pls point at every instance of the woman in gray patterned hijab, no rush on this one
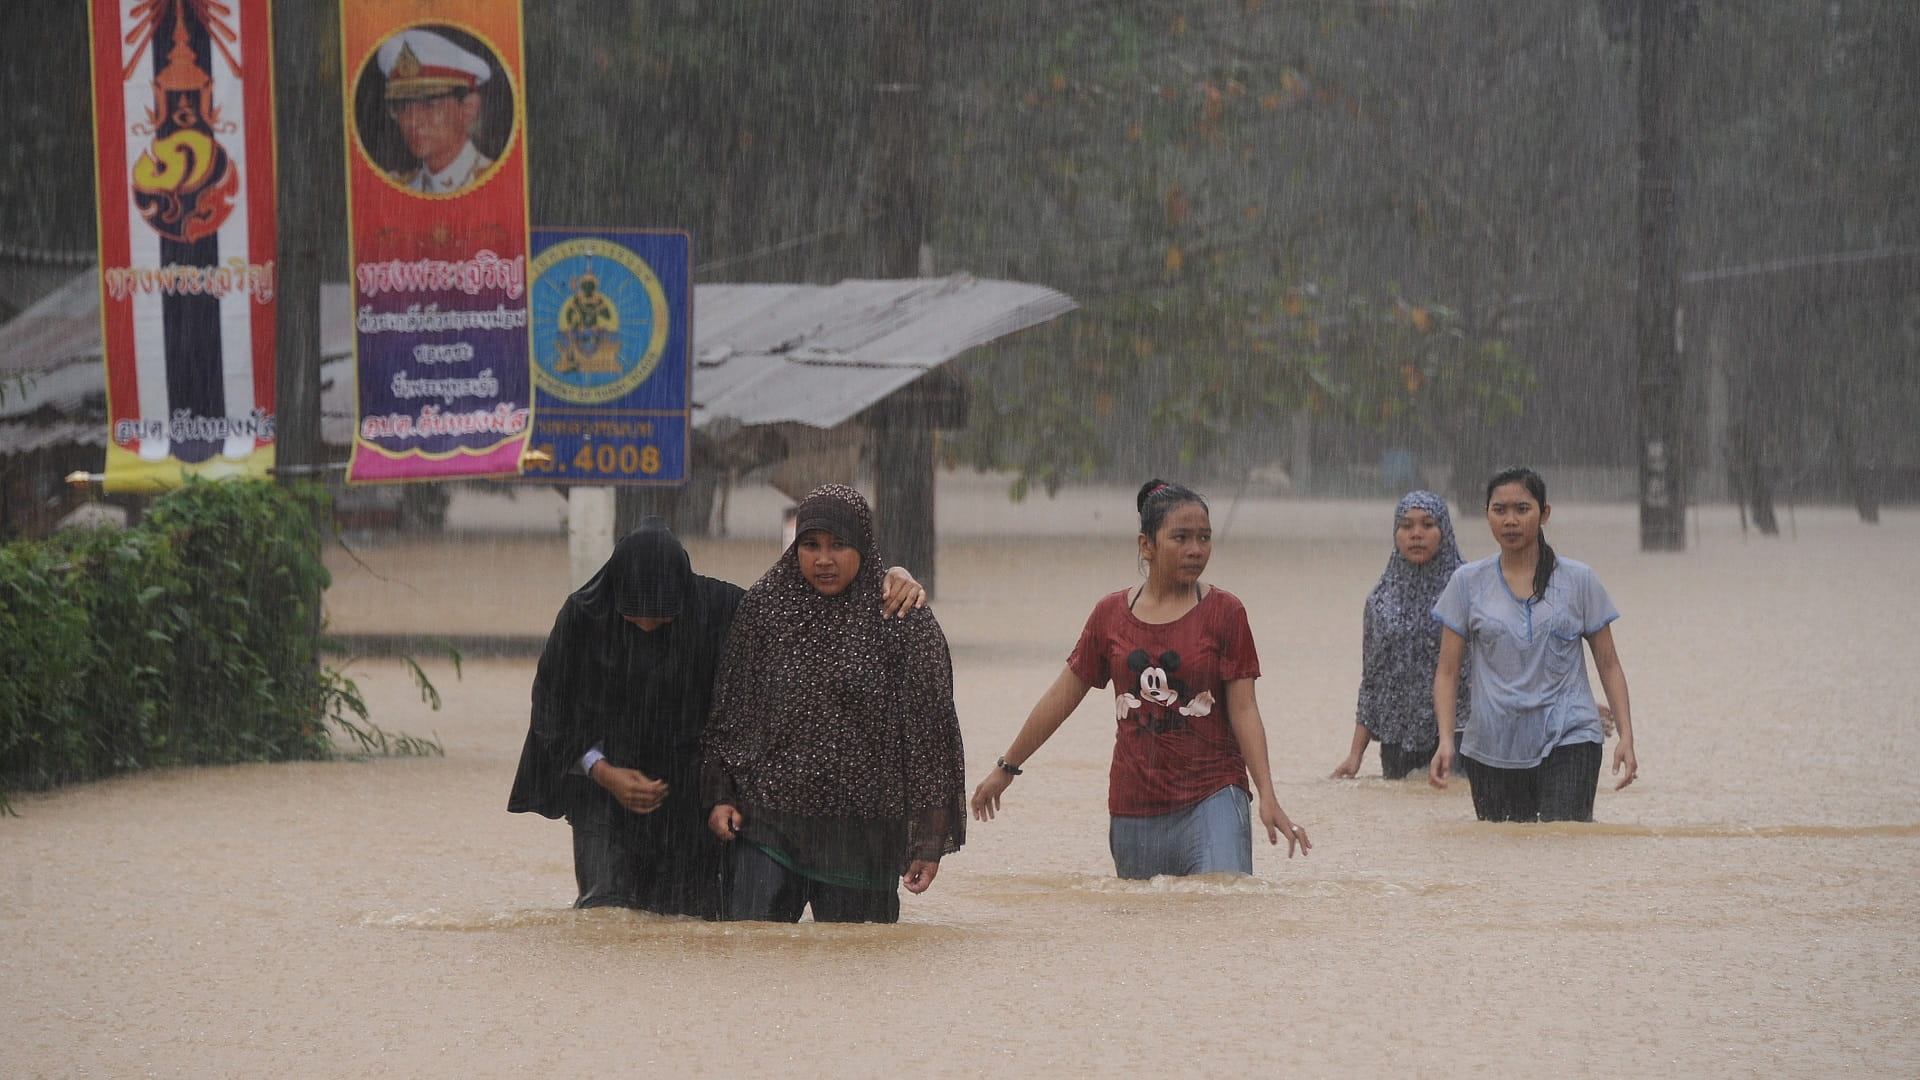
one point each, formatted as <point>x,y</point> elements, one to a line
<point>833,758</point>
<point>1400,643</point>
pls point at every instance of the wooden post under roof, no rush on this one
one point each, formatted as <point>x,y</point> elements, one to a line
<point>903,440</point>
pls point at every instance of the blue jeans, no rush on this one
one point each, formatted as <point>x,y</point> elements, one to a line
<point>1213,836</point>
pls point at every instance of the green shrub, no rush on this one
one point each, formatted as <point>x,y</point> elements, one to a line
<point>190,639</point>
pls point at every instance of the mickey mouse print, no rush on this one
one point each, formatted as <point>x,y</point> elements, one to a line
<point>1165,701</point>
<point>1174,743</point>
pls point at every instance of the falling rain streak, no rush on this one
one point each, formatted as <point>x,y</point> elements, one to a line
<point>1323,253</point>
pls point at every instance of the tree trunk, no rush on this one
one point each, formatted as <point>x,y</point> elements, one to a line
<point>1663,501</point>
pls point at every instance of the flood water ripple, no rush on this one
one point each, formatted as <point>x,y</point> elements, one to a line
<point>1749,907</point>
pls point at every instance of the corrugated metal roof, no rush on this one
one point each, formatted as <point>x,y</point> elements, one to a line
<point>50,353</point>
<point>26,438</point>
<point>763,354</point>
<point>23,283</point>
<point>59,328</point>
<point>819,354</point>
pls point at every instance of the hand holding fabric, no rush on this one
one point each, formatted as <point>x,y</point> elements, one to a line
<point>919,875</point>
<point>725,821</point>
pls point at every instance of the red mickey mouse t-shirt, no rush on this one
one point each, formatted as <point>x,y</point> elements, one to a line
<point>1174,745</point>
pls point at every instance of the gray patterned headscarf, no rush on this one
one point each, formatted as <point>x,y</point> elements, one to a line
<point>1401,638</point>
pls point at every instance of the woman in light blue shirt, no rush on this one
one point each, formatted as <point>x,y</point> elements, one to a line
<point>1533,750</point>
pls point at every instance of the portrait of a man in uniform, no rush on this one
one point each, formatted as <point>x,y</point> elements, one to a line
<point>432,93</point>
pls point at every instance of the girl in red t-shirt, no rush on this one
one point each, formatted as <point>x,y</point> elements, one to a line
<point>1182,662</point>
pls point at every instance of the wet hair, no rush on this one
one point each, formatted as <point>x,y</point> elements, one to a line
<point>1157,497</point>
<point>1536,487</point>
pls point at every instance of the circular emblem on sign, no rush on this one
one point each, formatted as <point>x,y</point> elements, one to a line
<point>600,321</point>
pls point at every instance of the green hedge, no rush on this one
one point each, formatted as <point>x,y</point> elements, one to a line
<point>189,639</point>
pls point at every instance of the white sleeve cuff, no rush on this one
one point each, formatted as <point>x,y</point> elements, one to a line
<point>587,760</point>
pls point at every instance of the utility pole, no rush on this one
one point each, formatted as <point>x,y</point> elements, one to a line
<point>902,432</point>
<point>1663,475</point>
<point>300,27</point>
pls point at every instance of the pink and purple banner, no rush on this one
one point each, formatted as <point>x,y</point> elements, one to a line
<point>437,210</point>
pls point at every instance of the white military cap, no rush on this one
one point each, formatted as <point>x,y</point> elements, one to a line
<point>420,63</point>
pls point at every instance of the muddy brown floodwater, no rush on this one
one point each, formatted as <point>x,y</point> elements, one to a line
<point>1748,908</point>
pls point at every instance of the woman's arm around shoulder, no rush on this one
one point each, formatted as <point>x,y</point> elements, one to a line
<point>900,592</point>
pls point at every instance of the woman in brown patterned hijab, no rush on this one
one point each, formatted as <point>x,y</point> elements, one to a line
<point>833,759</point>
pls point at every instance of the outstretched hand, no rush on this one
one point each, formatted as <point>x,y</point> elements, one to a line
<point>1279,824</point>
<point>986,797</point>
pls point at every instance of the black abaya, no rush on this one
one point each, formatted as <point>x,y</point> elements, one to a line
<point>642,698</point>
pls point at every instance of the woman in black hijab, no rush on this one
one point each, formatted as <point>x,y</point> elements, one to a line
<point>834,765</point>
<point>619,701</point>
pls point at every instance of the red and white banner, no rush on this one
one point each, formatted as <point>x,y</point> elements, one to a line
<point>184,175</point>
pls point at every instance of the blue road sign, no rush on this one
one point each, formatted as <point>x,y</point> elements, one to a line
<point>612,313</point>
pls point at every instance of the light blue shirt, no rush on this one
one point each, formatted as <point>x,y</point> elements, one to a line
<point>1529,677</point>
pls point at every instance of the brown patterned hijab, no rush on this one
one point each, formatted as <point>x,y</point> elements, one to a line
<point>823,709</point>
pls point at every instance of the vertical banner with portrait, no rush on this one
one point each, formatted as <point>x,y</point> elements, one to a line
<point>612,328</point>
<point>184,156</point>
<point>437,209</point>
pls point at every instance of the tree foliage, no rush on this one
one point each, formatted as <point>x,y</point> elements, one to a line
<point>1350,209</point>
<point>1806,205</point>
<point>1393,216</point>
